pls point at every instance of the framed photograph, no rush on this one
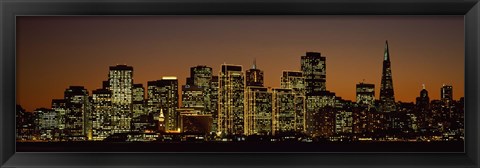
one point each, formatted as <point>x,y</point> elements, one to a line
<point>213,84</point>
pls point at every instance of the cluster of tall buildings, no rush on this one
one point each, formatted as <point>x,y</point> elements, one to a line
<point>235,103</point>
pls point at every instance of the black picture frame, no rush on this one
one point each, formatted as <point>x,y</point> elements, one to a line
<point>9,9</point>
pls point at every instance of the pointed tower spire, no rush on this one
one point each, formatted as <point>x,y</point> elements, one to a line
<point>387,96</point>
<point>423,86</point>
<point>254,66</point>
<point>386,53</point>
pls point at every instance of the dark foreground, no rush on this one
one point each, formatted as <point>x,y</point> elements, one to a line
<point>457,146</point>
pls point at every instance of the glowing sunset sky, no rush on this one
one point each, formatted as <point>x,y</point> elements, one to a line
<point>56,52</point>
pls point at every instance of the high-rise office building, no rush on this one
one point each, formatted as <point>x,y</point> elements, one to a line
<point>230,100</point>
<point>296,81</point>
<point>258,111</point>
<point>423,101</point>
<point>59,106</point>
<point>313,66</point>
<point>78,113</point>
<point>153,97</point>
<point>103,115</point>
<point>214,85</point>
<point>201,78</point>
<point>46,123</point>
<point>319,114</point>
<point>254,76</point>
<point>365,95</point>
<point>387,98</point>
<point>283,111</point>
<point>193,97</point>
<point>446,94</point>
<point>120,80</point>
<point>168,87</point>
<point>293,80</point>
<point>200,75</point>
<point>138,102</point>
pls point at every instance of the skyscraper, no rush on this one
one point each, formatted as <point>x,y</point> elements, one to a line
<point>446,93</point>
<point>387,98</point>
<point>200,82</point>
<point>258,111</point>
<point>77,115</point>
<point>254,76</point>
<point>169,101</point>
<point>138,102</point>
<point>313,66</point>
<point>102,116</point>
<point>214,85</point>
<point>193,97</point>
<point>200,76</point>
<point>423,101</point>
<point>365,95</point>
<point>283,111</point>
<point>230,100</point>
<point>120,80</point>
<point>295,81</point>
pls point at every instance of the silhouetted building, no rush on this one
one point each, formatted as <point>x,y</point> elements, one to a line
<point>387,98</point>
<point>258,111</point>
<point>120,79</point>
<point>254,76</point>
<point>423,101</point>
<point>366,95</point>
<point>313,66</point>
<point>230,100</point>
<point>192,122</point>
<point>25,124</point>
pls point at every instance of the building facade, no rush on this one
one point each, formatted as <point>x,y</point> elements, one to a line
<point>230,100</point>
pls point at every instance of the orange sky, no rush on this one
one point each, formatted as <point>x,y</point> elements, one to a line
<point>56,52</point>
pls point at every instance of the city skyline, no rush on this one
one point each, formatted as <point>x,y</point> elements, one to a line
<point>45,89</point>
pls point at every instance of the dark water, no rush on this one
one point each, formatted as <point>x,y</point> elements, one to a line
<point>457,146</point>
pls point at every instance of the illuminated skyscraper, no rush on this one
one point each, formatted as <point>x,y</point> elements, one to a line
<point>77,115</point>
<point>296,81</point>
<point>230,100</point>
<point>313,66</point>
<point>59,106</point>
<point>387,98</point>
<point>153,97</point>
<point>254,76</point>
<point>169,101</point>
<point>214,101</point>
<point>120,80</point>
<point>102,116</point>
<point>365,94</point>
<point>258,111</point>
<point>138,103</point>
<point>200,76</point>
<point>446,94</point>
<point>46,123</point>
<point>193,97</point>
<point>319,114</point>
<point>283,111</point>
